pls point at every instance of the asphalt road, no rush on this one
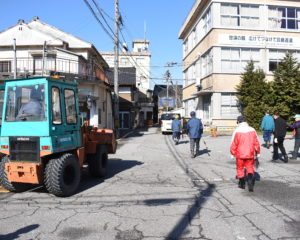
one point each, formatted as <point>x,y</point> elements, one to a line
<point>154,190</point>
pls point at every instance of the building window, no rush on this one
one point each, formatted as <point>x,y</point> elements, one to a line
<point>140,61</point>
<point>276,56</point>
<point>206,106</point>
<point>284,18</point>
<point>5,66</point>
<point>194,38</point>
<point>149,115</point>
<point>186,83</point>
<point>124,90</point>
<point>190,75</point>
<point>197,70</point>
<point>239,15</point>
<point>229,105</point>
<point>37,64</point>
<point>185,48</point>
<point>70,106</point>
<point>234,60</point>
<point>124,61</point>
<point>198,32</point>
<point>110,61</point>
<point>207,21</point>
<point>50,63</point>
<point>99,115</point>
<point>207,64</point>
<point>56,112</point>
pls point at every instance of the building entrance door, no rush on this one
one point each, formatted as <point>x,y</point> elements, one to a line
<point>124,120</point>
<point>206,107</point>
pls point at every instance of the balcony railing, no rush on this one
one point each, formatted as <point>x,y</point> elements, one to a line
<point>34,67</point>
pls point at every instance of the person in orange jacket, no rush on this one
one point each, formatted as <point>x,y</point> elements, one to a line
<point>245,147</point>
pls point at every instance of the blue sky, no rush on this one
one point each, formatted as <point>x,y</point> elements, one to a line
<point>163,20</point>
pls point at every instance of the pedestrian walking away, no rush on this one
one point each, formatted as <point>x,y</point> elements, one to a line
<point>176,129</point>
<point>267,126</point>
<point>245,147</point>
<point>279,135</point>
<point>194,128</point>
<point>296,127</point>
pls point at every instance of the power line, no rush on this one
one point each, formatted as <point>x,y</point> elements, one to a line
<point>111,18</point>
<point>98,20</point>
<point>157,78</point>
<point>101,14</point>
<point>112,36</point>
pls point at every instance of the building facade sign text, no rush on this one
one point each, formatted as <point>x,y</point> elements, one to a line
<point>259,40</point>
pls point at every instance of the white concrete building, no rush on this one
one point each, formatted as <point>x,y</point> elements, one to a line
<point>220,37</point>
<point>43,50</point>
<point>139,58</point>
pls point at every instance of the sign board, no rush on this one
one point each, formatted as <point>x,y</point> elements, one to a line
<point>167,102</point>
<point>259,40</point>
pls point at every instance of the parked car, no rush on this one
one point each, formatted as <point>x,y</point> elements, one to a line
<point>166,122</point>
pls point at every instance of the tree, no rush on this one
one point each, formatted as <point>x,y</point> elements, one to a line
<point>253,93</point>
<point>286,87</point>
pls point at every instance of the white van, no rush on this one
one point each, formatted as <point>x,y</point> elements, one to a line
<point>166,122</point>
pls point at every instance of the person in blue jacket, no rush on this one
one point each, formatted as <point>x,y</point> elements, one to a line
<point>268,126</point>
<point>176,128</point>
<point>194,129</point>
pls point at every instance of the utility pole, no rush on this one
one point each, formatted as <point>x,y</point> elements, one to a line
<point>176,95</point>
<point>116,65</point>
<point>43,60</point>
<point>15,59</point>
<point>167,75</point>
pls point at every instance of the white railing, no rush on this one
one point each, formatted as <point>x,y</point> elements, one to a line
<point>34,66</point>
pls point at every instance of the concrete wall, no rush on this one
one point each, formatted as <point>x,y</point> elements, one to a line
<point>187,91</point>
<point>141,61</point>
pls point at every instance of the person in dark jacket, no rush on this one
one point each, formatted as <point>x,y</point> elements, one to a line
<point>296,128</point>
<point>176,129</point>
<point>279,135</point>
<point>194,129</point>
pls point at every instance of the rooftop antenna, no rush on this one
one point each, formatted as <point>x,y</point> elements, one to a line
<point>145,30</point>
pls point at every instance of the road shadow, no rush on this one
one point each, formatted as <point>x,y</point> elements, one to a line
<point>138,132</point>
<point>115,166</point>
<point>256,176</point>
<point>16,234</point>
<point>183,142</point>
<point>291,152</point>
<point>158,202</point>
<point>265,146</point>
<point>203,151</point>
<point>181,227</point>
<point>279,193</point>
